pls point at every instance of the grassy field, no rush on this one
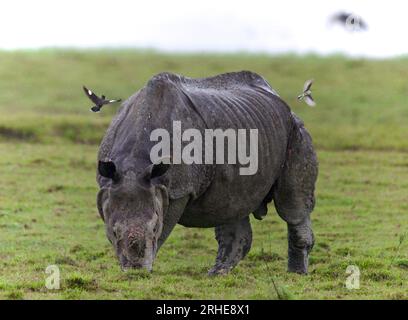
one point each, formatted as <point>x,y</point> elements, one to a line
<point>48,145</point>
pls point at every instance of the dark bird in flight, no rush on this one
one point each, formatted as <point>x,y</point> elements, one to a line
<point>350,21</point>
<point>307,94</point>
<point>99,101</point>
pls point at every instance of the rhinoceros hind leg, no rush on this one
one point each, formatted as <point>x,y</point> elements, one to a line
<point>234,241</point>
<point>300,243</point>
<point>294,198</point>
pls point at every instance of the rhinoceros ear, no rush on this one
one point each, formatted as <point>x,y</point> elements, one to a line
<point>159,169</point>
<point>107,169</point>
<point>155,171</point>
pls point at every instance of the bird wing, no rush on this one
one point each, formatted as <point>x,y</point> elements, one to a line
<point>363,25</point>
<point>113,101</point>
<point>307,85</point>
<point>340,17</point>
<point>92,96</point>
<point>309,101</point>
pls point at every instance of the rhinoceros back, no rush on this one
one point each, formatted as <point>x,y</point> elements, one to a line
<point>241,100</point>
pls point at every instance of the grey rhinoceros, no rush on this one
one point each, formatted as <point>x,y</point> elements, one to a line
<point>141,202</point>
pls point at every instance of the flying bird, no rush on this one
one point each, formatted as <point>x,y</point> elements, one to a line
<point>350,21</point>
<point>99,101</point>
<point>307,94</point>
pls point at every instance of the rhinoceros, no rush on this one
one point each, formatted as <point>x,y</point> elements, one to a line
<point>141,201</point>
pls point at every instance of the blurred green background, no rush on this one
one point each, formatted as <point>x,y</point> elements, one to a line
<point>358,100</point>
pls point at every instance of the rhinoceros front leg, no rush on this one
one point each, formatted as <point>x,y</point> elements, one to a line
<point>234,241</point>
<point>171,218</point>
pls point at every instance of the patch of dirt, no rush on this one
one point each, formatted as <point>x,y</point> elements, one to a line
<point>17,134</point>
<point>55,188</point>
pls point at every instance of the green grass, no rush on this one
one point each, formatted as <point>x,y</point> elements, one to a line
<point>359,100</point>
<point>49,141</point>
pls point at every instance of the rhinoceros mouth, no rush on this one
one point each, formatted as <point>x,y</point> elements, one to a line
<point>126,264</point>
<point>136,266</point>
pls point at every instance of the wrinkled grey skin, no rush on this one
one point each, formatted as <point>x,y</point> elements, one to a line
<point>141,202</point>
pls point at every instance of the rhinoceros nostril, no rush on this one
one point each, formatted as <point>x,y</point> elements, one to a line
<point>137,246</point>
